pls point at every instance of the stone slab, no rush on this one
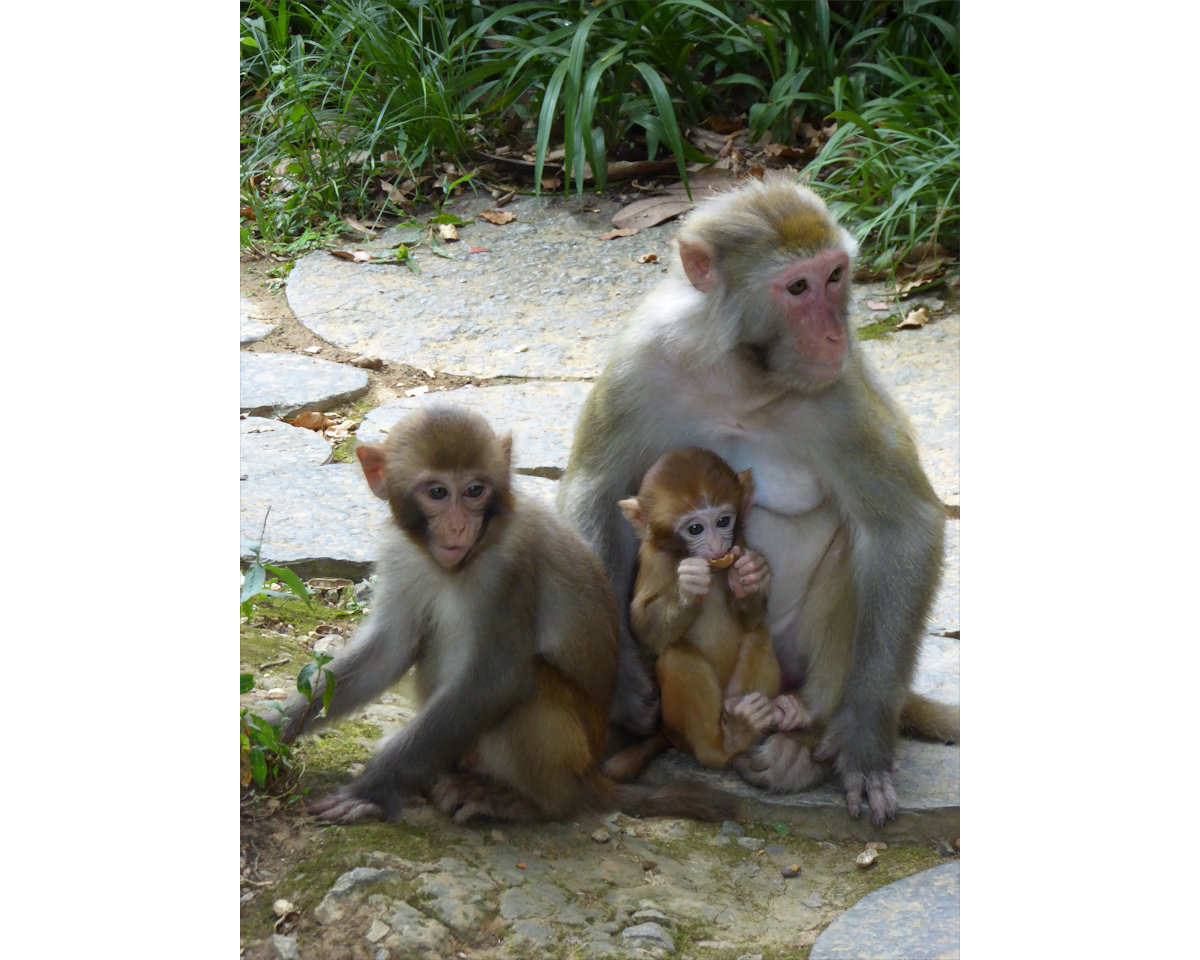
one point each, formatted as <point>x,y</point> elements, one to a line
<point>272,446</point>
<point>920,369</point>
<point>544,300</point>
<point>541,416</point>
<point>914,917</point>
<point>285,384</point>
<point>254,326</point>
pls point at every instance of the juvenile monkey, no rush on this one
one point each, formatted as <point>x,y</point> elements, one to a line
<point>699,611</point>
<point>511,625</point>
<point>746,350</point>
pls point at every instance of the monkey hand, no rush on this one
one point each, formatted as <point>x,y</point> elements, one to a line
<point>753,709</point>
<point>790,713</point>
<point>695,579</point>
<point>743,720</point>
<point>749,574</point>
<point>344,807</point>
<point>865,768</point>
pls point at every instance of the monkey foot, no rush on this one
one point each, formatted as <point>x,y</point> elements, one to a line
<point>880,789</point>
<point>344,807</point>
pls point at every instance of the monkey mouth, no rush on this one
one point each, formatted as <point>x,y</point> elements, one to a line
<point>449,555</point>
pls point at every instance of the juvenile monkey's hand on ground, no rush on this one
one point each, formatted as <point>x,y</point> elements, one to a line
<point>695,579</point>
<point>344,807</point>
<point>749,574</point>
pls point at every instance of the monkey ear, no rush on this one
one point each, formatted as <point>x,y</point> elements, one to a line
<point>505,444</point>
<point>697,259</point>
<point>632,508</point>
<point>372,459</point>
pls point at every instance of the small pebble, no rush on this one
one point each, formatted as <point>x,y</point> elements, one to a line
<point>867,858</point>
<point>791,871</point>
<point>601,836</point>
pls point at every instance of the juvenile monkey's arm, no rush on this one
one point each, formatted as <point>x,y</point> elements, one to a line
<point>661,612</point>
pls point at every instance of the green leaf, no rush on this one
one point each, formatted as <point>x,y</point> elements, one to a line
<point>327,693</point>
<point>252,582</point>
<point>304,679</point>
<point>247,682</point>
<point>258,766</point>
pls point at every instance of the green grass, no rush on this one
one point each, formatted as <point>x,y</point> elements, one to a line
<point>351,109</point>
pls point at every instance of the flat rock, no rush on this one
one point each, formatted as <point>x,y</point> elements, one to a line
<point>272,446</point>
<point>920,370</point>
<point>254,326</point>
<point>914,917</point>
<point>541,416</point>
<point>285,384</point>
<point>544,300</point>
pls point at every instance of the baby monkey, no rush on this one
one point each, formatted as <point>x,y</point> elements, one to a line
<point>698,609</point>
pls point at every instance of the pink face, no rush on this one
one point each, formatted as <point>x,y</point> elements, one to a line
<point>809,293</point>
<point>454,508</point>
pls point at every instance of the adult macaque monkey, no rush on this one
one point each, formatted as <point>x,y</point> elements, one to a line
<point>747,352</point>
<point>698,609</point>
<point>512,627</point>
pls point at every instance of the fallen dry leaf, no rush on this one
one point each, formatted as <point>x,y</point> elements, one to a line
<point>648,258</point>
<point>447,232</point>
<point>342,430</point>
<point>613,234</point>
<point>311,420</point>
<point>498,217</point>
<point>362,228</point>
<point>479,250</point>
<point>915,320</point>
<point>358,256</point>
<point>878,304</point>
<point>651,211</point>
<point>329,583</point>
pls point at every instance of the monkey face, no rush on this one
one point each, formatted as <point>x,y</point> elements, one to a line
<point>708,532</point>
<point>454,508</point>
<point>810,296</point>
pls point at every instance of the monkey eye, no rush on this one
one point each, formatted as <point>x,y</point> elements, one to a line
<point>836,275</point>
<point>797,287</point>
<point>475,491</point>
<point>438,493</point>
<point>724,520</point>
<point>695,529</point>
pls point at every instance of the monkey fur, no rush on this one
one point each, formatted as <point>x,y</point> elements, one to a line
<point>512,629</point>
<point>746,351</point>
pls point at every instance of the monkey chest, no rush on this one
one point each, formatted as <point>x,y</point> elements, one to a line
<point>717,630</point>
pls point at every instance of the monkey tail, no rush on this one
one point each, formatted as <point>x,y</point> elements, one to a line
<point>625,765</point>
<point>681,799</point>
<point>929,719</point>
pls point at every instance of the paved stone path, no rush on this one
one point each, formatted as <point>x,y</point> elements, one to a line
<point>542,304</point>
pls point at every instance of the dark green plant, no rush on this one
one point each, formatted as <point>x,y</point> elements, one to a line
<point>892,168</point>
<point>269,763</point>
<point>342,100</point>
